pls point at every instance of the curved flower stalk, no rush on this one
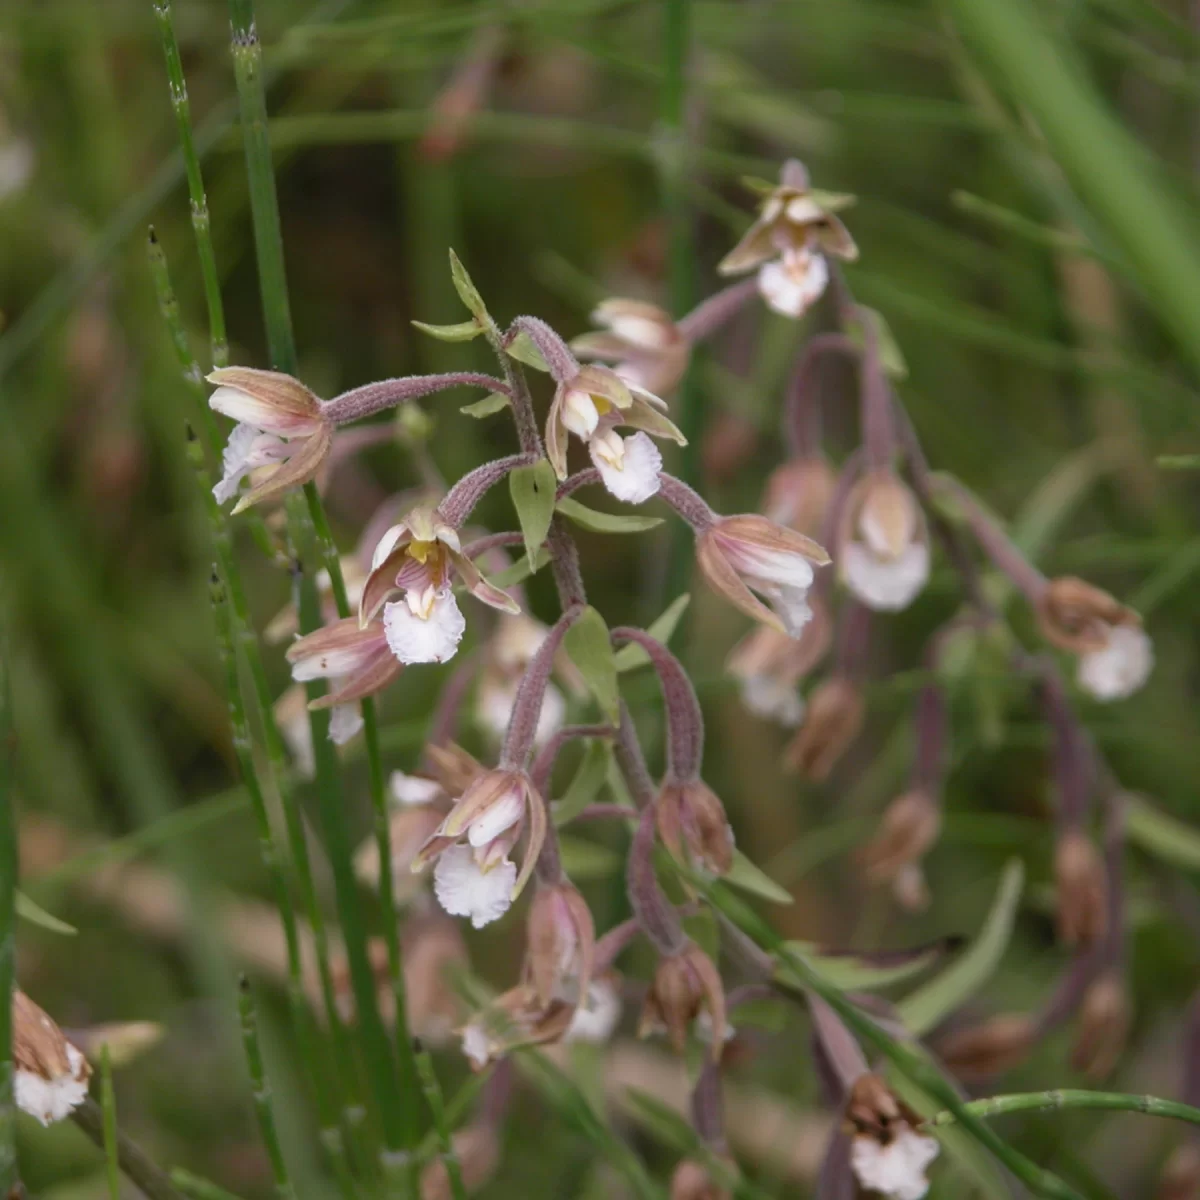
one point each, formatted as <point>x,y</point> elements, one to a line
<point>789,241</point>
<point>416,560</point>
<point>645,346</point>
<point>592,402</point>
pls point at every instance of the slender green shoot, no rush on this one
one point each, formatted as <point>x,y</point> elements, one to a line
<point>198,1187</point>
<point>1057,1099</point>
<point>195,181</point>
<point>437,1108</point>
<point>108,1106</point>
<point>263,1107</point>
<point>135,1164</point>
<point>8,892</point>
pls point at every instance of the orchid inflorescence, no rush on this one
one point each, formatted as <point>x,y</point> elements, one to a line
<point>833,548</point>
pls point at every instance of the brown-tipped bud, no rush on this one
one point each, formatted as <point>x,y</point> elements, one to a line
<point>560,943</point>
<point>478,1152</point>
<point>684,985</point>
<point>883,545</point>
<point>887,1153</point>
<point>1180,1178</point>
<point>514,1019</point>
<point>910,826</point>
<point>453,767</point>
<point>692,824</point>
<point>798,494</point>
<point>1076,616</point>
<point>52,1075</point>
<point>1082,889</point>
<point>984,1050</point>
<point>1104,1020</point>
<point>836,710</point>
<point>694,1181</point>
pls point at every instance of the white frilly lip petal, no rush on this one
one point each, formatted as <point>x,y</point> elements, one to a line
<point>345,721</point>
<point>773,700</point>
<point>897,1170</point>
<point>885,585</point>
<point>246,449</point>
<point>413,789</point>
<point>1121,667</point>
<point>430,639</point>
<point>632,474</point>
<point>476,1045</point>
<point>792,285</point>
<point>50,1100</point>
<point>597,1016</point>
<point>463,890</point>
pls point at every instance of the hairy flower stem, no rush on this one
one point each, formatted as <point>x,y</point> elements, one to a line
<point>717,310</point>
<point>708,1116</point>
<point>632,762</point>
<point>383,394</point>
<point>878,428</point>
<point>135,1163</point>
<point>687,502</point>
<point>460,501</point>
<point>802,409</point>
<point>396,1092</point>
<point>656,915</point>
<point>1072,757</point>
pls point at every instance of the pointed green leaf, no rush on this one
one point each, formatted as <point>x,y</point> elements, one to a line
<point>522,348</point>
<point>1162,835</point>
<point>591,651</point>
<point>585,786</point>
<point>588,860</point>
<point>632,656</point>
<point>464,331</point>
<point>833,202</point>
<point>928,1006</point>
<point>467,291</point>
<point>36,915</point>
<point>889,349</point>
<point>861,972</point>
<point>745,875</point>
<point>493,402</point>
<point>601,522</point>
<point>532,491</point>
<point>522,570</point>
<point>760,187</point>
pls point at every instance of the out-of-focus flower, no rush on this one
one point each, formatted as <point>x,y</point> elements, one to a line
<point>1180,1178</point>
<point>1115,654</point>
<point>984,1050</point>
<point>834,717</point>
<point>417,559</point>
<point>286,622</point>
<point>51,1078</point>
<point>1105,1017</point>
<point>910,826</point>
<point>684,985</point>
<point>16,163</point>
<point>744,554</point>
<point>597,1013</point>
<point>644,345</point>
<point>798,493</point>
<point>789,242</point>
<point>355,658</point>
<point>592,405</point>
<point>510,650</point>
<point>769,664</point>
<point>693,826</point>
<point>887,1154</point>
<point>432,950</point>
<point>125,1041</point>
<point>516,1018</point>
<point>560,942</point>
<point>477,879</point>
<point>693,1181</point>
<point>1082,889</point>
<point>281,426</point>
<point>418,807</point>
<point>883,547</point>
<point>478,1152</point>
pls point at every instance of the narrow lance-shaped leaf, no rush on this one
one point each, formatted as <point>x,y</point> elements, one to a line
<point>464,331</point>
<point>36,915</point>
<point>749,878</point>
<point>532,491</point>
<point>632,656</point>
<point>588,645</point>
<point>930,1005</point>
<point>467,292</point>
<point>585,786</point>
<point>601,522</point>
<point>854,970</point>
<point>1160,834</point>
<point>523,350</point>
<point>493,402</point>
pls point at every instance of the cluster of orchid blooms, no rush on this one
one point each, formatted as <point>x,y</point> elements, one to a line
<point>487,831</point>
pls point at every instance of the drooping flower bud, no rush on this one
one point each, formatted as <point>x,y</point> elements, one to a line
<point>1082,889</point>
<point>355,658</point>
<point>987,1049</point>
<point>516,1018</point>
<point>798,494</point>
<point>1115,655</point>
<point>883,547</point>
<point>910,826</point>
<point>1104,1021</point>
<point>51,1078</point>
<point>887,1154</point>
<point>645,346</point>
<point>836,710</point>
<point>281,426</point>
<point>478,1152</point>
<point>692,1180</point>
<point>560,941</point>
<point>692,824</point>
<point>684,984</point>
<point>510,650</point>
<point>741,555</point>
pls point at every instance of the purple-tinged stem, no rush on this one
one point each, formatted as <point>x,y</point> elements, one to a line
<point>709,315</point>
<point>853,640</point>
<point>928,762</point>
<point>1113,944</point>
<point>372,398</point>
<point>562,363</point>
<point>878,430</point>
<point>527,707</point>
<point>802,412</point>
<point>493,541</point>
<point>685,721</point>
<point>1072,757</point>
<point>543,763</point>
<point>610,945</point>
<point>842,1051</point>
<point>686,502</point>
<point>708,1114</point>
<point>632,762</point>
<point>831,530</point>
<point>564,565</point>
<point>548,868</point>
<point>460,501</point>
<point>573,483</point>
<point>607,812</point>
<point>654,912</point>
<point>450,702</point>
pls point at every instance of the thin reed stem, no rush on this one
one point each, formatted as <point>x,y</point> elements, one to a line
<point>108,1109</point>
<point>263,1107</point>
<point>437,1109</point>
<point>135,1164</point>
<point>198,1187</point>
<point>1058,1099</point>
<point>9,1177</point>
<point>201,224</point>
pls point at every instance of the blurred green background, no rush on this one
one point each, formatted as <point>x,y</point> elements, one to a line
<point>1048,342</point>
